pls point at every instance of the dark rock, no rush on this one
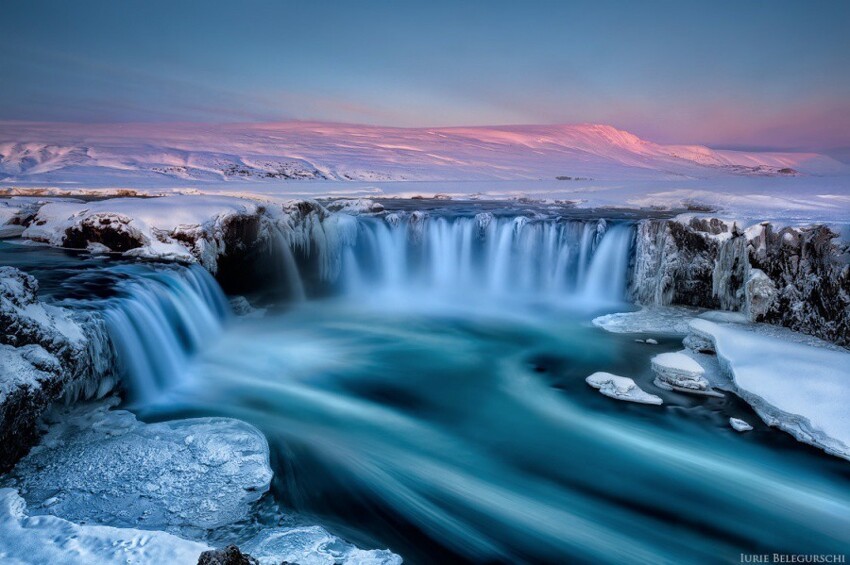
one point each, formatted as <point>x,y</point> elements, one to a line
<point>794,277</point>
<point>230,555</point>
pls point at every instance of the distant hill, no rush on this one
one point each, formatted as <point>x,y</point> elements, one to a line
<point>196,154</point>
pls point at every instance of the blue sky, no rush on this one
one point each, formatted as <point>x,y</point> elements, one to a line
<point>745,73</point>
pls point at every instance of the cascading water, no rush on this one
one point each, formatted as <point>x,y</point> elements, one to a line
<point>482,256</point>
<point>157,319</point>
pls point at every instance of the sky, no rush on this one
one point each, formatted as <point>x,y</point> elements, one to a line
<point>732,74</point>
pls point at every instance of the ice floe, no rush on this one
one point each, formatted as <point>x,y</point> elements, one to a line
<point>621,388</point>
<point>49,539</point>
<point>739,425</point>
<point>792,381</point>
<point>679,372</point>
<point>312,545</point>
<point>104,466</point>
<point>670,320</point>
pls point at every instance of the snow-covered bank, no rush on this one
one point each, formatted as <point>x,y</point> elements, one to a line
<point>799,387</point>
<point>175,476</point>
<point>796,382</point>
<point>144,485</point>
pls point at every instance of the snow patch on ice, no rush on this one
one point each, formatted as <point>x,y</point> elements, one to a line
<point>796,383</point>
<point>48,539</point>
<point>621,388</point>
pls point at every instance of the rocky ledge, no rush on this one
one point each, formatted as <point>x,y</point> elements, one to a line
<point>797,277</point>
<point>47,353</point>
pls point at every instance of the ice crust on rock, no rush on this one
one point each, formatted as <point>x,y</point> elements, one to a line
<point>102,465</point>
<point>621,388</point>
<point>794,276</point>
<point>794,382</point>
<point>49,539</point>
<point>679,372</point>
<point>45,354</point>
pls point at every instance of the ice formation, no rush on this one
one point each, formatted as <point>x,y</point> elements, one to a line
<point>49,539</point>
<point>621,388</point>
<point>739,425</point>
<point>679,372</point>
<point>186,474</point>
<point>797,385</point>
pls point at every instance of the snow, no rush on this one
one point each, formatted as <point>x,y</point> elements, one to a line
<point>795,384</point>
<point>601,165</point>
<point>18,301</point>
<point>24,366</point>
<point>159,227</point>
<point>47,539</point>
<point>197,153</point>
<point>198,473</point>
<point>680,372</point>
<point>621,388</point>
<point>739,425</point>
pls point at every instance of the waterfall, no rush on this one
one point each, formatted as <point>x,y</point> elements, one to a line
<point>606,276</point>
<point>157,319</point>
<point>413,255</point>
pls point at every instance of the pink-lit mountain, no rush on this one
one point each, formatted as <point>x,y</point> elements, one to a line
<point>189,154</point>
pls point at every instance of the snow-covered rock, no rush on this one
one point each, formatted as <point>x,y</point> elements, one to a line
<point>797,384</point>
<point>679,372</point>
<point>739,425</point>
<point>354,206</point>
<point>101,465</point>
<point>621,388</point>
<point>46,353</point>
<point>179,228</point>
<point>48,539</point>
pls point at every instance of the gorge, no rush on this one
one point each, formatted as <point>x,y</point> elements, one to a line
<point>324,325</point>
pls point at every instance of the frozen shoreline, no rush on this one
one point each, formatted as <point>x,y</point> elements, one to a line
<point>795,382</point>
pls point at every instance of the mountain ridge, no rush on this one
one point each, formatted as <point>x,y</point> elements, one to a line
<point>159,154</point>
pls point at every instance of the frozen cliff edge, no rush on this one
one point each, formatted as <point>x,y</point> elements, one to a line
<point>798,277</point>
<point>47,353</point>
<point>801,388</point>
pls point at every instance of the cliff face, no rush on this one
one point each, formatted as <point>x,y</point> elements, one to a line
<point>794,277</point>
<point>46,354</point>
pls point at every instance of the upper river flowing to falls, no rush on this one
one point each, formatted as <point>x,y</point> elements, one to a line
<point>434,402</point>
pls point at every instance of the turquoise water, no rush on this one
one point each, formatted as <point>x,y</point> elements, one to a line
<point>440,409</point>
<point>451,432</point>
